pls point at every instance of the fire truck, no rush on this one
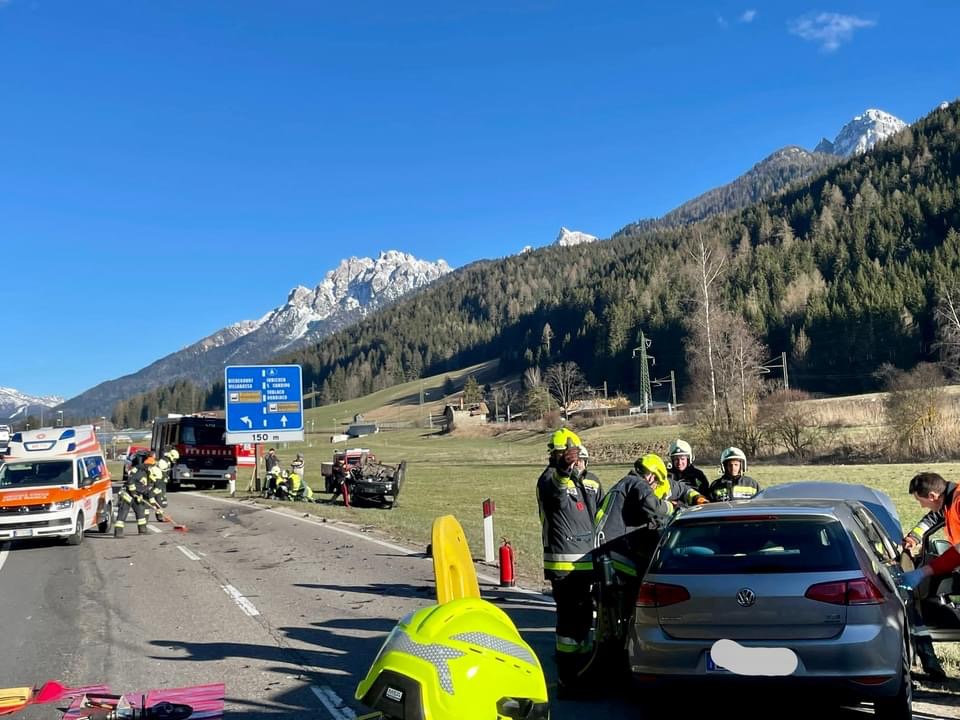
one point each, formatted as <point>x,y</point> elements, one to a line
<point>206,460</point>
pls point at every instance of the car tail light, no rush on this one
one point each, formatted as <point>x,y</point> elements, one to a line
<point>846,592</point>
<point>654,595</point>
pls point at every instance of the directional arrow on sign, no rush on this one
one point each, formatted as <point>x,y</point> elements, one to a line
<point>247,421</point>
<point>283,420</point>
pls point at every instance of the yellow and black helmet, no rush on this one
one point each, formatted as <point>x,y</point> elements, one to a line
<point>463,659</point>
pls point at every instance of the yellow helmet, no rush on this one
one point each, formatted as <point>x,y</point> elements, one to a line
<point>652,463</point>
<point>463,659</point>
<point>563,439</point>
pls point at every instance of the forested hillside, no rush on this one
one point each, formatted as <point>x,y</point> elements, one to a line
<point>842,272</point>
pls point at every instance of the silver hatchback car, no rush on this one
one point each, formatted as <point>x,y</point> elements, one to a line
<point>799,592</point>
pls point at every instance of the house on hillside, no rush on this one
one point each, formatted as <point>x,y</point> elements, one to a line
<point>465,415</point>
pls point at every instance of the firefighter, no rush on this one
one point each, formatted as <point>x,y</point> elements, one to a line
<point>166,463</point>
<point>131,495</point>
<point>682,469</point>
<point>299,490</point>
<point>632,514</point>
<point>733,484</point>
<point>154,492</point>
<point>297,465</point>
<point>565,500</point>
<point>939,498</point>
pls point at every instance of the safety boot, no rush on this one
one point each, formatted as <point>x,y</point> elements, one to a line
<point>141,529</point>
<point>928,659</point>
<point>117,531</point>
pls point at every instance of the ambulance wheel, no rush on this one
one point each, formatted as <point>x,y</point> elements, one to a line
<point>105,525</point>
<point>77,536</point>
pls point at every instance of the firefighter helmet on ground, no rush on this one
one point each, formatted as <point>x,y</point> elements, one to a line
<point>463,659</point>
<point>733,453</point>
<point>681,447</point>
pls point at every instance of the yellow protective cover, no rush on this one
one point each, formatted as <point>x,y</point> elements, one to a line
<point>13,699</point>
<point>452,563</point>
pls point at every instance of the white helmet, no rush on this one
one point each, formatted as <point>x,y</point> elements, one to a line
<point>681,447</point>
<point>733,453</point>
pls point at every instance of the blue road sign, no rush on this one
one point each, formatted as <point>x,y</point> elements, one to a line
<point>264,403</point>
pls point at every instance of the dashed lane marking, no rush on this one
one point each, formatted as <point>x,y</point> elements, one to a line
<point>188,552</point>
<point>4,551</point>
<point>154,529</point>
<point>333,703</point>
<point>244,604</point>
<point>382,543</point>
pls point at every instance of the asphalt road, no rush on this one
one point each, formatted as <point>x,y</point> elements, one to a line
<point>287,611</point>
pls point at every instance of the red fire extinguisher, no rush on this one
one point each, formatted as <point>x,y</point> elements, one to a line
<point>506,565</point>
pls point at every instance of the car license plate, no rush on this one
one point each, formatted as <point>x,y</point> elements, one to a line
<point>23,533</point>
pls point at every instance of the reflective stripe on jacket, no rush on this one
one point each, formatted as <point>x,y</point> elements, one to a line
<point>567,522</point>
<point>728,488</point>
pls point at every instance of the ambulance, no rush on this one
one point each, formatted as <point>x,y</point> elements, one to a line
<point>54,483</point>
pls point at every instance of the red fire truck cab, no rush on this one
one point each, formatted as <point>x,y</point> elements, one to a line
<point>206,460</point>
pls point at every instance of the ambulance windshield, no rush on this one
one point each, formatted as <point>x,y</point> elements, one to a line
<point>36,474</point>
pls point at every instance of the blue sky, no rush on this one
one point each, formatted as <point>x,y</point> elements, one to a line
<point>179,165</point>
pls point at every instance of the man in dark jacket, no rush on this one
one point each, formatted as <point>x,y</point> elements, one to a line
<point>566,501</point>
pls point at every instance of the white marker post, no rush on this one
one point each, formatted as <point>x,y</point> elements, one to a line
<point>488,508</point>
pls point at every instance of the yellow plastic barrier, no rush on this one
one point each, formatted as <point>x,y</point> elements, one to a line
<point>452,563</point>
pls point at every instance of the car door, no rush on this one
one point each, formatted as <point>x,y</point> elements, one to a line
<point>940,606</point>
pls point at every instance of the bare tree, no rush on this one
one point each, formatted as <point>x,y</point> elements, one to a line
<point>565,382</point>
<point>536,398</point>
<point>947,316</point>
<point>708,264</point>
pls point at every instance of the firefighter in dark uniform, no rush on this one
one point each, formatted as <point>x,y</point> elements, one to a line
<point>154,491</point>
<point>566,503</point>
<point>734,484</point>
<point>166,464</point>
<point>682,469</point>
<point>131,495</point>
<point>631,517</point>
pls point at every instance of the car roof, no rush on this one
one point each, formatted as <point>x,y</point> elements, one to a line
<point>876,501</point>
<point>836,509</point>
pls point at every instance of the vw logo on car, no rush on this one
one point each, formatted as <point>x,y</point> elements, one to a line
<point>746,597</point>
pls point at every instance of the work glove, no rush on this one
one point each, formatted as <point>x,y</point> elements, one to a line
<point>701,500</point>
<point>910,580</point>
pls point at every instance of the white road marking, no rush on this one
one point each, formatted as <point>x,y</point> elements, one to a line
<point>154,529</point>
<point>188,552</point>
<point>240,600</point>
<point>382,543</point>
<point>3,553</point>
<point>333,703</point>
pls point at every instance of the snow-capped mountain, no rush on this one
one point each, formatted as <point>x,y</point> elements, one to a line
<point>17,405</point>
<point>573,237</point>
<point>862,133</point>
<point>354,289</point>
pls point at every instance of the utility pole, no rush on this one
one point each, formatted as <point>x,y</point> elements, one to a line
<point>645,391</point>
<point>786,379</point>
<point>673,388</point>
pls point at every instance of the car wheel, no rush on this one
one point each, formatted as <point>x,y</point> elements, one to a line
<point>107,524</point>
<point>900,706</point>
<point>77,536</point>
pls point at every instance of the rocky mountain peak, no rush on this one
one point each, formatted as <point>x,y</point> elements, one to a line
<point>573,237</point>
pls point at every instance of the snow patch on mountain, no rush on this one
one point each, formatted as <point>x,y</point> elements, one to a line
<point>15,404</point>
<point>573,237</point>
<point>862,133</point>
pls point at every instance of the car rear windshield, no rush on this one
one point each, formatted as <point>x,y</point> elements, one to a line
<point>36,474</point>
<point>749,545</point>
